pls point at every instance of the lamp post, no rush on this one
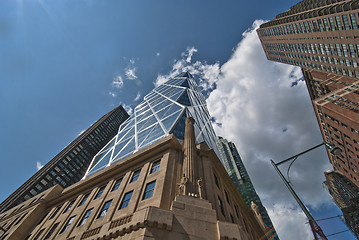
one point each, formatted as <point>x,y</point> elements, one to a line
<point>313,224</point>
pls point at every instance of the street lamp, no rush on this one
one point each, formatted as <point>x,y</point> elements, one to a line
<point>313,224</point>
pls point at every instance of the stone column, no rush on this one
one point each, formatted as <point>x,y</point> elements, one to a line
<point>189,185</point>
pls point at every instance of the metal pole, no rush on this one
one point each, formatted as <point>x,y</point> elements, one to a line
<point>313,224</point>
<point>310,149</point>
<point>305,210</point>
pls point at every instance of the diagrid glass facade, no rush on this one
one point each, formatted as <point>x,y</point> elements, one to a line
<point>162,112</point>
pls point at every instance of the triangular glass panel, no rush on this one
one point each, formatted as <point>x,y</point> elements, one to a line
<point>179,127</point>
<point>170,121</point>
<point>184,99</point>
<point>185,84</point>
<point>155,133</point>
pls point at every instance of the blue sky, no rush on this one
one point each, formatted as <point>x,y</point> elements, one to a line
<point>66,63</point>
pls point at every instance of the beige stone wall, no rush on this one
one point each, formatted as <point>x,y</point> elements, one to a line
<point>165,215</point>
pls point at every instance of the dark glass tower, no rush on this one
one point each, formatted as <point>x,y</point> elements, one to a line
<point>239,175</point>
<point>69,166</point>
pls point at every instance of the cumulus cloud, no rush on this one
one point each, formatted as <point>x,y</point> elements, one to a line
<point>112,94</point>
<point>265,109</point>
<point>207,73</point>
<point>38,165</point>
<point>158,54</point>
<point>288,221</point>
<point>117,82</point>
<point>137,97</point>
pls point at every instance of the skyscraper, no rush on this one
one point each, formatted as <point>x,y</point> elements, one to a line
<point>346,196</point>
<point>69,166</point>
<point>239,175</point>
<point>162,112</point>
<point>158,178</point>
<point>322,38</point>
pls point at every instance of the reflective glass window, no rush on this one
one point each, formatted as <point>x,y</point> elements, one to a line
<point>100,191</point>
<point>155,166</point>
<point>84,199</point>
<point>51,231</point>
<point>67,225</point>
<point>135,175</point>
<point>117,184</point>
<point>150,187</point>
<point>126,200</point>
<point>85,217</point>
<point>104,209</point>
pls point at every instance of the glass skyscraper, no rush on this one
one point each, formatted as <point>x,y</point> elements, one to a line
<point>236,170</point>
<point>162,112</point>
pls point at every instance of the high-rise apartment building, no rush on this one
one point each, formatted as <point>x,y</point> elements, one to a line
<point>346,196</point>
<point>70,165</point>
<point>158,178</point>
<point>237,172</point>
<point>321,37</point>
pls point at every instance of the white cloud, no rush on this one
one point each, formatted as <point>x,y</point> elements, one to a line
<point>112,94</point>
<point>288,221</point>
<point>131,73</point>
<point>132,61</point>
<point>158,54</point>
<point>207,73</point>
<point>189,53</point>
<point>128,108</point>
<point>117,82</point>
<point>258,108</point>
<point>137,97</point>
<point>38,165</point>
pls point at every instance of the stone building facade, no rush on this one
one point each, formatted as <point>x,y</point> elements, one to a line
<point>166,190</point>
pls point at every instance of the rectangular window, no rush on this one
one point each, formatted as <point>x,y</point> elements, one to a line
<point>126,200</point>
<point>38,235</point>
<point>338,22</point>
<point>326,25</point>
<point>100,191</point>
<point>55,212</point>
<point>83,199</point>
<point>221,206</point>
<point>135,175</point>
<point>69,206</point>
<point>332,25</point>
<point>117,184</point>
<point>67,225</point>
<point>150,187</point>
<point>345,50</point>
<point>85,217</point>
<point>353,21</point>
<point>52,230</point>
<point>345,22</point>
<point>216,180</point>
<point>155,166</point>
<point>104,209</point>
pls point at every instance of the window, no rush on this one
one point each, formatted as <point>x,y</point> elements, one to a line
<point>85,217</point>
<point>55,212</point>
<point>38,235</point>
<point>104,209</point>
<point>83,199</point>
<point>69,206</point>
<point>155,166</point>
<point>135,176</point>
<point>220,203</point>
<point>226,196</point>
<point>117,184</point>
<point>126,200</point>
<point>216,180</point>
<point>51,231</point>
<point>67,225</point>
<point>150,187</point>
<point>100,191</point>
